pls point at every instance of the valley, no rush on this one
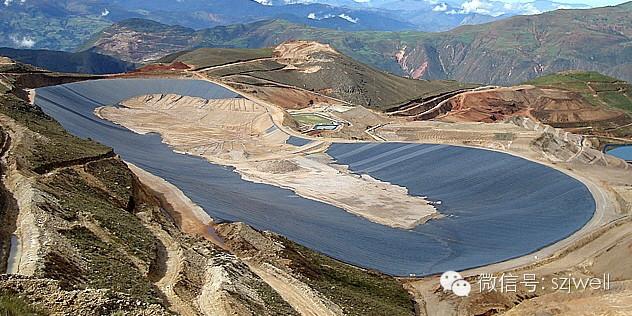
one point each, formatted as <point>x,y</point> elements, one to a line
<point>506,52</point>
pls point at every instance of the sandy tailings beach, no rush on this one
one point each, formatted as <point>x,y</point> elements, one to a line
<point>239,133</point>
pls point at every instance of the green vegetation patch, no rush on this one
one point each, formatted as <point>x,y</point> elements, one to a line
<point>56,146</point>
<point>311,119</point>
<point>617,100</point>
<point>108,268</point>
<point>115,177</point>
<point>102,194</point>
<point>272,299</point>
<point>92,200</point>
<point>12,305</point>
<point>259,65</point>
<point>357,291</point>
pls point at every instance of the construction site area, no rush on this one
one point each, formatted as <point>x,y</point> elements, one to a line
<point>290,164</point>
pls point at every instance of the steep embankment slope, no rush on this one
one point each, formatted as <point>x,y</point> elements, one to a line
<point>92,239</point>
<point>509,51</point>
<point>593,87</point>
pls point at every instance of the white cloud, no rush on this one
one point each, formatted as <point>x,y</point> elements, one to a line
<point>492,8</point>
<point>477,6</point>
<point>348,18</point>
<point>526,8</point>
<point>24,42</point>
<point>530,9</point>
<point>441,7</point>
<point>313,16</point>
<point>563,6</point>
<point>8,2</point>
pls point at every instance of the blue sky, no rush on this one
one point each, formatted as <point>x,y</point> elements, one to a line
<point>595,3</point>
<point>514,7</point>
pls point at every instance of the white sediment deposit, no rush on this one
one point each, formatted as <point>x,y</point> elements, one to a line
<point>362,195</point>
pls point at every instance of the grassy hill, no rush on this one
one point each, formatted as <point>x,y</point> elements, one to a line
<point>316,68</point>
<point>505,52</point>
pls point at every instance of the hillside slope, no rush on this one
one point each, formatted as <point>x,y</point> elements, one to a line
<point>524,47</point>
<point>505,52</point>
<point>311,69</point>
<point>585,103</point>
<point>83,62</point>
<point>595,88</point>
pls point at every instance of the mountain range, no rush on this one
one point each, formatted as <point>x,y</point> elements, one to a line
<point>509,51</point>
<point>60,25</point>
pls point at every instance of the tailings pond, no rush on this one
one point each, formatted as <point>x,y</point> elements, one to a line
<point>624,152</point>
<point>497,206</point>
